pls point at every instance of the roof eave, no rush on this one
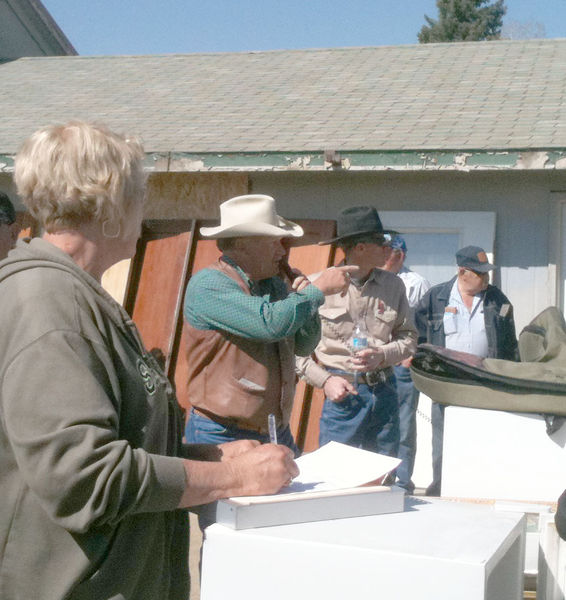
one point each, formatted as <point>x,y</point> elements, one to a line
<point>402,160</point>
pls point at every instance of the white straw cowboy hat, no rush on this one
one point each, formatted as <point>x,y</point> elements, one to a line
<point>251,215</point>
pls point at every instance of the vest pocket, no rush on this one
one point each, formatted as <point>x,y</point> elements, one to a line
<point>250,386</point>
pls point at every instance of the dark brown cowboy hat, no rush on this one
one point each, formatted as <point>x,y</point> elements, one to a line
<point>356,221</point>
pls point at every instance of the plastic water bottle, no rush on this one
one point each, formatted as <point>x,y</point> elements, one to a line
<point>359,342</point>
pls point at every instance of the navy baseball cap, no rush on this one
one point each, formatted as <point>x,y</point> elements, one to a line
<point>398,243</point>
<point>474,258</point>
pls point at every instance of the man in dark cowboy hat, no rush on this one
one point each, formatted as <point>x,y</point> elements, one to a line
<point>361,406</point>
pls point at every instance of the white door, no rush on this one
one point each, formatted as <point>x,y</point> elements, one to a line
<point>433,238</point>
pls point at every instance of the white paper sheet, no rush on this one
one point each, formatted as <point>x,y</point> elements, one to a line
<point>336,466</point>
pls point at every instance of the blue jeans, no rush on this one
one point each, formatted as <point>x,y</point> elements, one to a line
<point>368,420</point>
<point>408,402</point>
<point>202,430</point>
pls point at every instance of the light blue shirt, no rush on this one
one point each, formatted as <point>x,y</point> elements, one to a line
<point>464,329</point>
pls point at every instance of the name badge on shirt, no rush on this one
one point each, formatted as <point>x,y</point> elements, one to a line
<point>451,309</point>
<point>449,321</point>
<point>505,308</point>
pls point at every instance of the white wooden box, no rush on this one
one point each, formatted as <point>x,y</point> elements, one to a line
<point>285,509</point>
<point>434,550</point>
<point>502,456</point>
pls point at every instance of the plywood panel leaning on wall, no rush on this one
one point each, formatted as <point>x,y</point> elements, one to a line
<point>158,278</point>
<point>306,255</point>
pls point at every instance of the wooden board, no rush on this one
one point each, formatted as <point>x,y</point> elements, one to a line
<point>309,258</point>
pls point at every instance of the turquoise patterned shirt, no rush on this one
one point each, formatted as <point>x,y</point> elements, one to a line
<point>215,301</point>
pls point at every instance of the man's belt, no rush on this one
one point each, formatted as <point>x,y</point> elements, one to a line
<point>230,421</point>
<point>369,377</point>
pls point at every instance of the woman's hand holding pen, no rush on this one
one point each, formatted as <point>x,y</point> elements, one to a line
<point>230,450</point>
<point>272,467</point>
<point>263,469</point>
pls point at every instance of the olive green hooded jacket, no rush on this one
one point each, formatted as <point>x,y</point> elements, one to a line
<point>89,431</point>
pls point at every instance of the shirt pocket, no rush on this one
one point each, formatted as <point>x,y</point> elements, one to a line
<point>449,321</point>
<point>336,322</point>
<point>334,314</point>
<point>380,324</point>
<point>386,316</point>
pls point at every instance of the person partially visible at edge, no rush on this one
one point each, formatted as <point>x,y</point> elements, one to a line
<point>9,229</point>
<point>361,407</point>
<point>244,326</point>
<point>467,314</point>
<point>93,471</point>
<point>415,288</point>
<point>560,516</point>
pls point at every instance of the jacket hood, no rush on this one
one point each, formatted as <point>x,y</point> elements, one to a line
<point>36,253</point>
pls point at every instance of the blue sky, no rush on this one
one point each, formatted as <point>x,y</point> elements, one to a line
<point>183,26</point>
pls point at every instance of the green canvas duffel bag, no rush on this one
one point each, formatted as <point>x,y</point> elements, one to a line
<point>536,384</point>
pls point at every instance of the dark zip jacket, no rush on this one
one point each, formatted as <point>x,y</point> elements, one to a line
<point>498,316</point>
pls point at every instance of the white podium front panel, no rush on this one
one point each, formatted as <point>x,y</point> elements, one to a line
<point>502,456</point>
<point>434,550</point>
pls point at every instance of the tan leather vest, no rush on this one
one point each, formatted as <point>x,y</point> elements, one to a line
<point>240,380</point>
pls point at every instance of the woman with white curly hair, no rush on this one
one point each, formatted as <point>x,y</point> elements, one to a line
<point>93,472</point>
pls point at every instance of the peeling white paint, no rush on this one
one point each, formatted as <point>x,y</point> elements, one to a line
<point>424,161</point>
<point>161,164</point>
<point>301,162</point>
<point>429,162</point>
<point>532,160</point>
<point>186,164</point>
<point>460,161</point>
<point>364,168</point>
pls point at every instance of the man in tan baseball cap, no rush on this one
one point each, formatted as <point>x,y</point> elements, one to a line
<point>470,315</point>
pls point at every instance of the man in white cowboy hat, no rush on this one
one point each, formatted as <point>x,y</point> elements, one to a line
<point>361,406</point>
<point>245,326</point>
